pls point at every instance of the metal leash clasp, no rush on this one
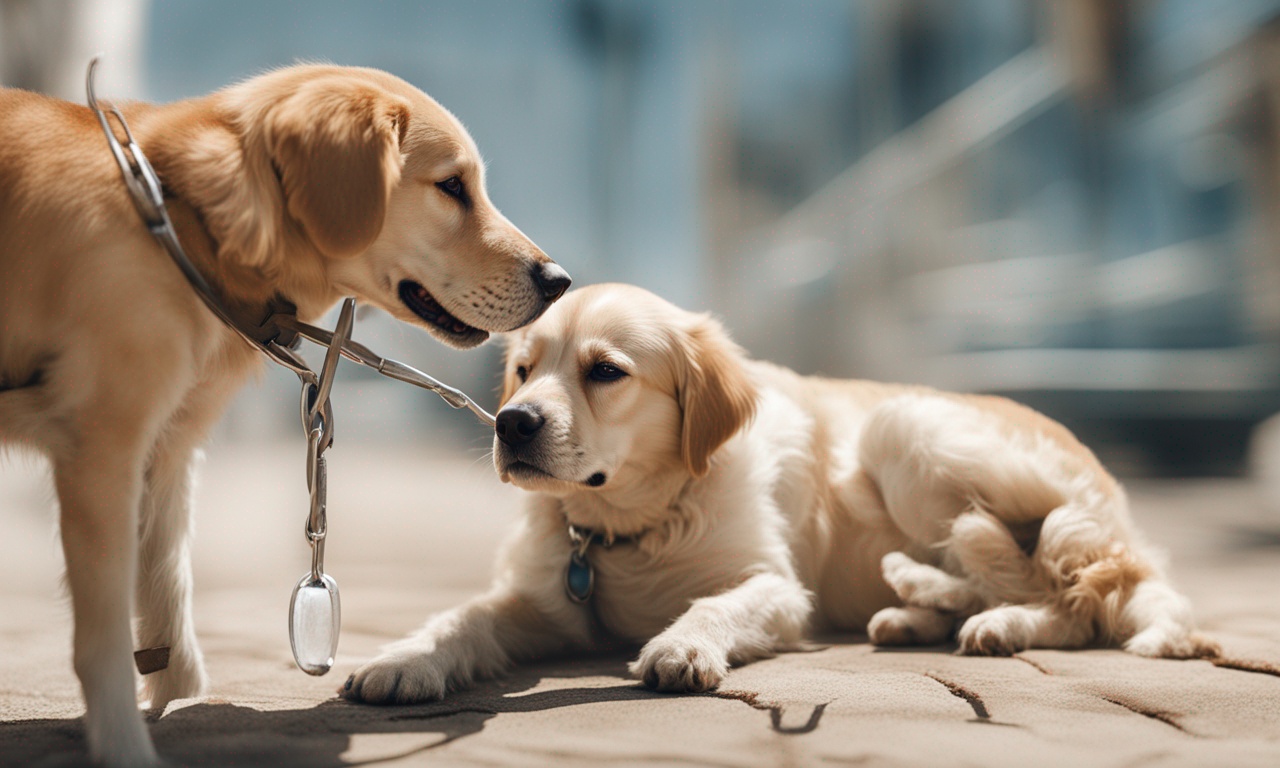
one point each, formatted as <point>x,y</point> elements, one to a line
<point>315,609</point>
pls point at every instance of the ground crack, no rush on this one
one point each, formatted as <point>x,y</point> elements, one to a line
<point>1163,717</point>
<point>1043,670</point>
<point>752,699</point>
<point>960,692</point>
<point>1245,665</point>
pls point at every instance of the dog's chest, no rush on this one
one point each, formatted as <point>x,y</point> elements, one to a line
<point>637,596</point>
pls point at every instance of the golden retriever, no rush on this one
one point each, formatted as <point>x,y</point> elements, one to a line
<point>729,505</point>
<point>309,183</point>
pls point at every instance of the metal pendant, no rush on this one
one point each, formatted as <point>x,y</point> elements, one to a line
<point>315,615</point>
<point>579,578</point>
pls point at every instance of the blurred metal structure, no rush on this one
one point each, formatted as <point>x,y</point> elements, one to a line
<point>45,44</point>
<point>1089,227</point>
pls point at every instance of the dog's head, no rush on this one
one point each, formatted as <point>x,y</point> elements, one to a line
<point>615,387</point>
<point>382,190</point>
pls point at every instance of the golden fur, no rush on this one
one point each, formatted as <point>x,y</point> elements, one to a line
<point>310,183</point>
<point>764,504</point>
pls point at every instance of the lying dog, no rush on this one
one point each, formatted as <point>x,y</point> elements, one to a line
<point>309,183</point>
<point>714,507</point>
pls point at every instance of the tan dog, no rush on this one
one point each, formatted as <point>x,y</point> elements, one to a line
<point>310,183</point>
<point>748,503</point>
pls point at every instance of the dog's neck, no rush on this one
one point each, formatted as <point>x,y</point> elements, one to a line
<point>201,214</point>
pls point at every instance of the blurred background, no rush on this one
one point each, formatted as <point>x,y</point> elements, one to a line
<point>1075,203</point>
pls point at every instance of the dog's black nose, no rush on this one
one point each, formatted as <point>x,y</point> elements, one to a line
<point>552,280</point>
<point>517,424</point>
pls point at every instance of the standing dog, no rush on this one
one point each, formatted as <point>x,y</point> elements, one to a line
<point>309,183</point>
<point>724,505</point>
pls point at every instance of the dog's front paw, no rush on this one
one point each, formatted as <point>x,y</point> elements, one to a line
<point>680,664</point>
<point>1172,642</point>
<point>1000,631</point>
<point>183,678</point>
<point>909,626</point>
<point>398,677</point>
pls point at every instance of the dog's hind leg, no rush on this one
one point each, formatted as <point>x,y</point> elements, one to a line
<point>981,483</point>
<point>984,550</point>
<point>1112,580</point>
<point>1008,629</point>
<point>1160,622</point>
<point>923,586</point>
<point>934,601</point>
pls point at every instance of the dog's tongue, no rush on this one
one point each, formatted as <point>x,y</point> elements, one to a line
<point>443,318</point>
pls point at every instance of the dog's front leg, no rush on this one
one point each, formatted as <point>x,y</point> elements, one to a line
<point>478,639</point>
<point>164,579</point>
<point>738,626</point>
<point>98,484</point>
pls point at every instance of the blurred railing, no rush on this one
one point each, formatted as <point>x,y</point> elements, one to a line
<point>891,271</point>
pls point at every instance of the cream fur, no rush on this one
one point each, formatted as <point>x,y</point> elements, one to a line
<point>310,182</point>
<point>804,503</point>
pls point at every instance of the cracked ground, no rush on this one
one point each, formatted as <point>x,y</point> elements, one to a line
<point>412,532</point>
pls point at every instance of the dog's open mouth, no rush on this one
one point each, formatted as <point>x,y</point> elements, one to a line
<point>420,301</point>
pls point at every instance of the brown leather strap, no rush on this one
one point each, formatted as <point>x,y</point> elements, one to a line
<point>150,660</point>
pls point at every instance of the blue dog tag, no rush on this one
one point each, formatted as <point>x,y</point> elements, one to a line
<point>579,579</point>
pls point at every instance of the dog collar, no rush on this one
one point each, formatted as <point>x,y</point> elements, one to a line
<point>579,574</point>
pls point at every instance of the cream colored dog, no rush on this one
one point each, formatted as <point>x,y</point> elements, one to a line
<point>309,183</point>
<point>746,503</point>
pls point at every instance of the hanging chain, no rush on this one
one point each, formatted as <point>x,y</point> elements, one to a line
<point>317,483</point>
<point>317,424</point>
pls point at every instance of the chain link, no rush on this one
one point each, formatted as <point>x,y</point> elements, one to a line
<point>317,423</point>
<point>317,526</point>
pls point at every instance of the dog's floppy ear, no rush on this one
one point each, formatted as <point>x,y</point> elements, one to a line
<point>717,397</point>
<point>335,144</point>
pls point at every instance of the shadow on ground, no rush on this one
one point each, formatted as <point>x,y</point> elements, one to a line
<point>322,735</point>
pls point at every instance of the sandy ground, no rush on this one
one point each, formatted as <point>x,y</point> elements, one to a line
<point>413,532</point>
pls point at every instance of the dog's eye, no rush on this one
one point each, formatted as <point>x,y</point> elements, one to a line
<point>522,373</point>
<point>453,187</point>
<point>605,372</point>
